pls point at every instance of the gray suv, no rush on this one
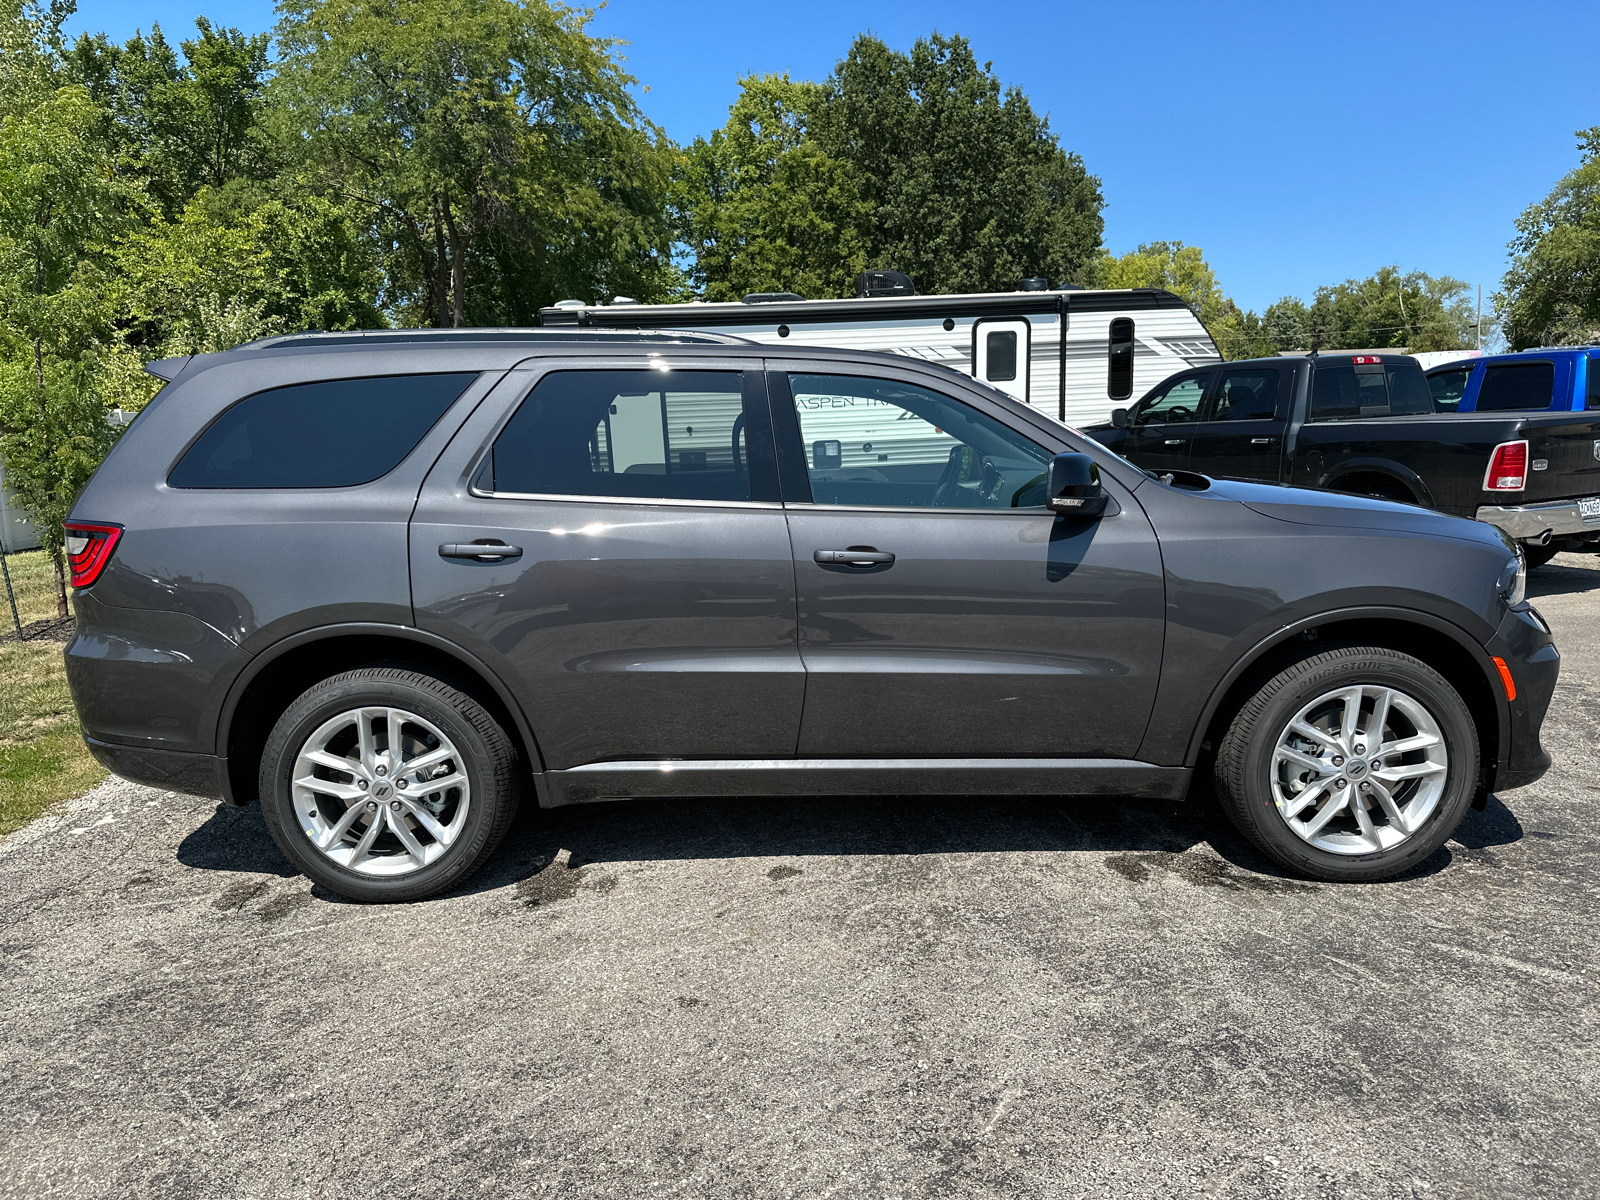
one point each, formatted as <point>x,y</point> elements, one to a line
<point>389,583</point>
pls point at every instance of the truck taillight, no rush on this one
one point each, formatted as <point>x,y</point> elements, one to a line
<point>88,549</point>
<point>1508,468</point>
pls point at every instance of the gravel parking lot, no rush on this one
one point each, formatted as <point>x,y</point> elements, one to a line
<point>863,998</point>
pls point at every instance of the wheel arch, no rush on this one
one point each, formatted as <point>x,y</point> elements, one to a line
<point>1352,468</point>
<point>1435,641</point>
<point>272,680</point>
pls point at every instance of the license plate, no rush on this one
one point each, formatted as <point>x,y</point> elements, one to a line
<point>1589,508</point>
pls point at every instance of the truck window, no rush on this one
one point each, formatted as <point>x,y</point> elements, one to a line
<point>1173,402</point>
<point>1446,388</point>
<point>1408,388</point>
<point>1247,396</point>
<point>1517,387</point>
<point>1592,401</point>
<point>1337,391</point>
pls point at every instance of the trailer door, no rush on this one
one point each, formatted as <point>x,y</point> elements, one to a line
<point>1001,352</point>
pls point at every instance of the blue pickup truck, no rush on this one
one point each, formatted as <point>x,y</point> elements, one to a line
<point>1559,380</point>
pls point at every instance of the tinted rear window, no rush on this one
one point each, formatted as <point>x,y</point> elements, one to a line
<point>1338,390</point>
<point>1408,388</point>
<point>1517,387</point>
<point>335,433</point>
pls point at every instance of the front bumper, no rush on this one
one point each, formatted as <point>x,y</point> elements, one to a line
<point>1524,642</point>
<point>1527,521</point>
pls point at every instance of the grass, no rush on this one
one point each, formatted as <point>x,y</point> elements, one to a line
<point>42,756</point>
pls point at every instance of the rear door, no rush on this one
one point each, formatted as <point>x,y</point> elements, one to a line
<point>1160,426</point>
<point>944,612</point>
<point>1241,430</point>
<point>610,540</point>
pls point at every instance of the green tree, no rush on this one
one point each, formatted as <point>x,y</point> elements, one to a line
<point>494,144</point>
<point>1550,296</point>
<point>59,197</point>
<point>764,209</point>
<point>1183,271</point>
<point>970,190</point>
<point>190,124</point>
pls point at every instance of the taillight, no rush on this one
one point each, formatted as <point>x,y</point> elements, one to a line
<point>1508,468</point>
<point>89,548</point>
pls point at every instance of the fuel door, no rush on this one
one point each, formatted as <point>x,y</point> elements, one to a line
<point>1001,354</point>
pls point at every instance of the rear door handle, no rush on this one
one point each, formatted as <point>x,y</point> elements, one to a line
<point>481,551</point>
<point>1175,441</point>
<point>1262,441</point>
<point>864,557</point>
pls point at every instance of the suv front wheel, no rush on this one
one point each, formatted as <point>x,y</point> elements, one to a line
<point>384,784</point>
<point>1352,764</point>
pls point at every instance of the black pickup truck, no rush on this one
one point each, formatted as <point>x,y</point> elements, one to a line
<point>1367,423</point>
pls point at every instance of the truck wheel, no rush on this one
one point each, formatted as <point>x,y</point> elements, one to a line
<point>384,784</point>
<point>1352,764</point>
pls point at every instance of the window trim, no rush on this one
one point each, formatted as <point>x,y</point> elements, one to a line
<point>789,442</point>
<point>479,374</point>
<point>749,371</point>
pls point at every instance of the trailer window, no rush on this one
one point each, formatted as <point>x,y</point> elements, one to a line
<point>1517,387</point>
<point>1119,367</point>
<point>1002,348</point>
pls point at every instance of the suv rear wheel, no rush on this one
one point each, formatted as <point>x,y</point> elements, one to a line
<point>384,784</point>
<point>1352,764</point>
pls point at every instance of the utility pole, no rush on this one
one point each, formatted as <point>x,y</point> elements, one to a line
<point>1480,318</point>
<point>10,595</point>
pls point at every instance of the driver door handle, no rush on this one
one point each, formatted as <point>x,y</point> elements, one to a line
<point>1174,441</point>
<point>864,557</point>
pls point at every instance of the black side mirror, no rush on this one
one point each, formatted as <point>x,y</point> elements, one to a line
<point>1119,418</point>
<point>1072,486</point>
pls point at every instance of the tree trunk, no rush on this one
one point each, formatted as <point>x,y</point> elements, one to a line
<point>458,267</point>
<point>441,271</point>
<point>61,581</point>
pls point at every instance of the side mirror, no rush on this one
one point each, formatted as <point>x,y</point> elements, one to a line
<point>1072,486</point>
<point>1119,418</point>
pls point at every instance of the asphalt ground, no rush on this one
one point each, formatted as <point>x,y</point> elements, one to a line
<point>855,998</point>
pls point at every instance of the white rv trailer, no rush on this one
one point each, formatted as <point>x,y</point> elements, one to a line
<point>1072,354</point>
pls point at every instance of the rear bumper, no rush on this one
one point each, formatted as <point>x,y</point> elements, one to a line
<point>173,770</point>
<point>1524,642</point>
<point>1525,521</point>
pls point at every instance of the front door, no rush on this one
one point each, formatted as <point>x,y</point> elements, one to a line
<point>611,542</point>
<point>1240,434</point>
<point>1002,353</point>
<point>1159,426</point>
<point>944,612</point>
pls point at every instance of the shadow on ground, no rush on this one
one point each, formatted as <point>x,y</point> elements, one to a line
<point>1143,834</point>
<point>1565,575</point>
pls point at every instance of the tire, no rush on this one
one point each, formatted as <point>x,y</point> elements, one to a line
<point>1537,556</point>
<point>427,841</point>
<point>1260,785</point>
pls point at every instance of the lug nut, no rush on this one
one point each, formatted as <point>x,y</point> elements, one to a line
<point>1338,783</point>
<point>371,806</point>
<point>383,770</point>
<point>1338,760</point>
<point>1365,785</point>
<point>400,783</point>
<point>395,804</point>
<point>1361,749</point>
<point>362,784</point>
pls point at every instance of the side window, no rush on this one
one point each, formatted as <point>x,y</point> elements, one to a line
<point>333,433</point>
<point>1119,362</point>
<point>1001,346</point>
<point>677,435</point>
<point>1447,387</point>
<point>1408,388</point>
<point>1343,389</point>
<point>881,443</point>
<point>1592,401</point>
<point>1173,402</point>
<point>1517,387</point>
<point>1247,395</point>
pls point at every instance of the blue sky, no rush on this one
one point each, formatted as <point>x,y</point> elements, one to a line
<point>1298,144</point>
